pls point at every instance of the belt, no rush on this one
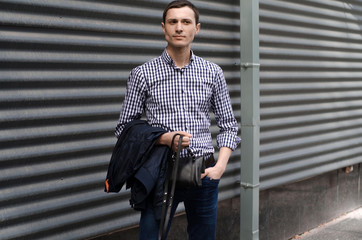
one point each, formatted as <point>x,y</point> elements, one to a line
<point>209,160</point>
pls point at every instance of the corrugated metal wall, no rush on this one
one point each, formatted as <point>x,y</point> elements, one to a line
<point>63,71</point>
<point>311,88</point>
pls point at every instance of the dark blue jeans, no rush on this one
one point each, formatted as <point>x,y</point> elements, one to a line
<point>201,211</point>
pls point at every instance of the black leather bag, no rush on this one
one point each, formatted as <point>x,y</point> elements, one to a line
<point>189,171</point>
<point>189,168</point>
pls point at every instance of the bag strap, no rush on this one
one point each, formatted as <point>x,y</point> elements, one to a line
<point>168,197</point>
<point>193,156</point>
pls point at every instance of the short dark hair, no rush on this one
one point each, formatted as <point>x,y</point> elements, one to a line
<point>180,4</point>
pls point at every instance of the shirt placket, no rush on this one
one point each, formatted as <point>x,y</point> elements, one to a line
<point>184,96</point>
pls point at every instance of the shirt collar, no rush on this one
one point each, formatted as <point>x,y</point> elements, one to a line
<point>169,60</point>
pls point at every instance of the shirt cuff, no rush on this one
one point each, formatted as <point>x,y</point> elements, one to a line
<point>228,140</point>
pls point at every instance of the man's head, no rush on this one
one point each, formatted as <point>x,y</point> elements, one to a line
<point>180,4</point>
<point>180,24</point>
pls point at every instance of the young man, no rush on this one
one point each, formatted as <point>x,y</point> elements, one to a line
<point>176,91</point>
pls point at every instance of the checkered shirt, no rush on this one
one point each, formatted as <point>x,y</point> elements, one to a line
<point>180,100</point>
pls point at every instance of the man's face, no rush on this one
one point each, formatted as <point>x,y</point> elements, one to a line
<point>180,27</point>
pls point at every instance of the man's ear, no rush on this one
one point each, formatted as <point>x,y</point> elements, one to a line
<point>163,26</point>
<point>198,26</point>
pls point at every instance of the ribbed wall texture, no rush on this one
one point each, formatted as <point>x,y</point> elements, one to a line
<point>63,71</point>
<point>311,88</point>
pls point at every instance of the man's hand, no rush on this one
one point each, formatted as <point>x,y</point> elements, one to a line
<point>218,170</point>
<point>213,172</point>
<point>166,138</point>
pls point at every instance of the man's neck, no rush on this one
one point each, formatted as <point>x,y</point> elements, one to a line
<point>180,56</point>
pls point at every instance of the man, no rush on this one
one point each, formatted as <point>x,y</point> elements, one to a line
<point>176,91</point>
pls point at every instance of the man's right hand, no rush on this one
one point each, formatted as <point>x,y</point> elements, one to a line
<point>166,138</point>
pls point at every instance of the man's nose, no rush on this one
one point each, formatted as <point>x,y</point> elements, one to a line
<point>179,27</point>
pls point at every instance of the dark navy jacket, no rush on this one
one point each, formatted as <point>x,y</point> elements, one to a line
<point>137,161</point>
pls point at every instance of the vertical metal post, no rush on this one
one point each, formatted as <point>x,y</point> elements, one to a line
<point>250,119</point>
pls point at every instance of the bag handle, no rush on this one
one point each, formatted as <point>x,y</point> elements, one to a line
<point>193,156</point>
<point>168,197</point>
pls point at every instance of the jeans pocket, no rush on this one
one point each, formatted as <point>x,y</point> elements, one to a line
<point>208,181</point>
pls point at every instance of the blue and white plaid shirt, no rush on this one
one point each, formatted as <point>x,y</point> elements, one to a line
<point>180,100</point>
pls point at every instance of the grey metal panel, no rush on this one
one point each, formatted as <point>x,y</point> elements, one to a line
<point>63,71</point>
<point>311,88</point>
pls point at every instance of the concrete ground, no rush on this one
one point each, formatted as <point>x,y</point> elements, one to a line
<point>346,227</point>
